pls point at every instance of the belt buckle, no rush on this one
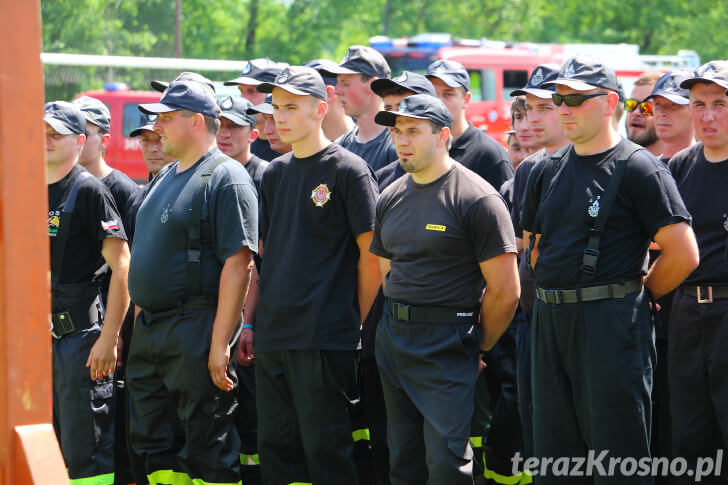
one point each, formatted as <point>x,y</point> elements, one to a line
<point>552,297</point>
<point>402,312</point>
<point>709,299</point>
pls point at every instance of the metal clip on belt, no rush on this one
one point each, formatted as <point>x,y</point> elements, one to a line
<point>589,293</point>
<point>706,293</point>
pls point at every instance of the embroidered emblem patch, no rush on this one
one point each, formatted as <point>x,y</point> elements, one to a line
<point>54,222</point>
<point>594,207</point>
<point>320,195</point>
<point>165,215</point>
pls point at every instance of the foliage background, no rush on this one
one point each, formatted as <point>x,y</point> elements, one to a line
<point>295,31</point>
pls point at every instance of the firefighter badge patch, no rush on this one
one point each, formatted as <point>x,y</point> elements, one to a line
<point>320,195</point>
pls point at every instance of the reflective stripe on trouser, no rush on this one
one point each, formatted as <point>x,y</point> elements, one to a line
<point>168,377</point>
<point>592,376</point>
<point>170,477</point>
<point>427,371</point>
<point>82,410</point>
<point>304,431</point>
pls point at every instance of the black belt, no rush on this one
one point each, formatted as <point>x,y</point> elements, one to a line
<point>589,293</point>
<point>432,314</point>
<point>705,293</point>
<point>194,303</point>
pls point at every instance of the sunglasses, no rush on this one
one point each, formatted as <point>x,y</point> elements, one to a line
<point>572,100</point>
<point>646,107</point>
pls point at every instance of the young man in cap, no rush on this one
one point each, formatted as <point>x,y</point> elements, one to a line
<point>699,325</point>
<point>85,231</point>
<point>471,146</point>
<point>336,123</point>
<point>640,120</point>
<point>358,70</point>
<point>519,124</point>
<point>237,131</point>
<point>255,72</point>
<point>440,231</point>
<point>671,107</point>
<point>592,209</point>
<point>318,282</point>
<point>265,113</point>
<point>392,91</point>
<point>201,214</point>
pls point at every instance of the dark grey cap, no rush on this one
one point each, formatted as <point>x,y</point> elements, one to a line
<point>66,118</point>
<point>95,112</point>
<point>299,80</point>
<point>190,95</point>
<point>360,59</point>
<point>266,107</point>
<point>322,65</point>
<point>668,86</point>
<point>542,74</point>
<point>451,73</point>
<point>417,83</point>
<point>711,72</point>
<point>584,73</point>
<point>257,71</point>
<point>147,124</point>
<point>235,108</point>
<point>418,106</point>
<point>184,76</point>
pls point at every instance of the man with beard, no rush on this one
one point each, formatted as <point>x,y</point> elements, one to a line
<point>640,122</point>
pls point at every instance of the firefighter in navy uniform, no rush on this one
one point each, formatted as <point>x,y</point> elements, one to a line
<point>85,231</point>
<point>441,232</point>
<point>196,233</point>
<point>698,330</point>
<point>593,208</point>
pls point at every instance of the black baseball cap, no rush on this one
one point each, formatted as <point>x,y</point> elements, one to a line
<point>584,72</point>
<point>147,124</point>
<point>321,65</point>
<point>95,112</point>
<point>417,83</point>
<point>266,107</point>
<point>66,118</point>
<point>360,59</point>
<point>451,73</point>
<point>235,108</point>
<point>190,95</point>
<point>418,106</point>
<point>184,76</point>
<point>257,71</point>
<point>668,86</point>
<point>299,80</point>
<point>540,75</point>
<point>711,72</point>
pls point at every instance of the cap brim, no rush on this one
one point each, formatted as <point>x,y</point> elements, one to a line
<point>388,118</point>
<point>160,86</point>
<point>571,83</point>
<point>381,84</point>
<point>447,79</point>
<point>156,108</point>
<point>139,130</point>
<point>58,125</point>
<point>335,71</point>
<point>688,83</point>
<point>263,108</point>
<point>539,93</point>
<point>249,81</point>
<point>268,88</point>
<point>671,96</point>
<point>235,119</point>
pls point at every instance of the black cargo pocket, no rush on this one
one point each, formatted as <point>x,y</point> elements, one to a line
<point>100,396</point>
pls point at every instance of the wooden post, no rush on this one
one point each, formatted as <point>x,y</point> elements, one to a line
<point>29,453</point>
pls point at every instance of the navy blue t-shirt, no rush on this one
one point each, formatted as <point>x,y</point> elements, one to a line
<point>158,270</point>
<point>647,200</point>
<point>377,152</point>
<point>312,210</point>
<point>704,188</point>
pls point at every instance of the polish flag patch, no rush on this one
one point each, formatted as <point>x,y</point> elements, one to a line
<point>109,225</point>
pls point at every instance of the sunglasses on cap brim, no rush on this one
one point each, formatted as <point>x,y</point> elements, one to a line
<point>646,107</point>
<point>572,100</point>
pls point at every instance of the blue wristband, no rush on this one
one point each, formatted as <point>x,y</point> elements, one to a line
<point>247,325</point>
